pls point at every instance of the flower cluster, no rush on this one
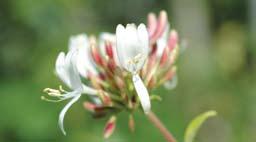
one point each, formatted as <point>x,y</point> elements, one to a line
<point>117,71</point>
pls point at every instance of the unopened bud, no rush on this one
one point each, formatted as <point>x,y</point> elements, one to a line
<point>131,123</point>
<point>164,56</point>
<point>89,106</point>
<point>173,40</point>
<point>109,50</point>
<point>161,26</point>
<point>110,127</point>
<point>152,23</point>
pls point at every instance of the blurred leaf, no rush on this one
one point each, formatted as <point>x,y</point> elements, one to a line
<point>195,124</point>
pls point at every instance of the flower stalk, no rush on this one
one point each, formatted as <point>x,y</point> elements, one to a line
<point>160,126</point>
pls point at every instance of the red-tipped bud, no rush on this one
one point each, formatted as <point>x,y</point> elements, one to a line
<point>110,127</point>
<point>89,106</point>
<point>164,56</point>
<point>152,24</point>
<point>173,40</point>
<point>95,52</point>
<point>97,110</point>
<point>131,123</point>
<point>96,56</point>
<point>109,49</point>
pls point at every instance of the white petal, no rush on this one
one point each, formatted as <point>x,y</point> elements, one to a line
<point>142,93</point>
<point>78,41</point>
<point>143,36</point>
<point>144,43</point>
<point>132,46</point>
<point>75,81</point>
<point>120,44</point>
<point>64,110</point>
<point>84,62</point>
<point>60,68</point>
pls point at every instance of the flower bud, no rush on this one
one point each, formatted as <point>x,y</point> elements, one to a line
<point>152,23</point>
<point>173,40</point>
<point>110,127</point>
<point>131,123</point>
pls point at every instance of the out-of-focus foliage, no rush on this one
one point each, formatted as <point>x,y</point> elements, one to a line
<point>195,124</point>
<point>217,71</point>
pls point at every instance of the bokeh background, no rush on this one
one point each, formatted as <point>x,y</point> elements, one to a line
<point>216,71</point>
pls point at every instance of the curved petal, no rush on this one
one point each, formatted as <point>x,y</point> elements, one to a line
<point>64,110</point>
<point>142,93</point>
<point>60,68</point>
<point>74,78</point>
<point>84,63</point>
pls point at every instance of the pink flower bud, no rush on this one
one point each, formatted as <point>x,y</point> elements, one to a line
<point>173,40</point>
<point>164,56</point>
<point>109,49</point>
<point>96,56</point>
<point>89,106</point>
<point>152,23</point>
<point>110,127</point>
<point>161,26</point>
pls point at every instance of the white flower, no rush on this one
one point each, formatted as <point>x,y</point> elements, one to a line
<point>66,70</point>
<point>132,50</point>
<point>84,62</point>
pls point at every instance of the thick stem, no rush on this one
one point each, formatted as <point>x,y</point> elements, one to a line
<point>158,124</point>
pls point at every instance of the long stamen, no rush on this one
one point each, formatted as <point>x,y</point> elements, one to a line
<point>50,100</point>
<point>60,94</point>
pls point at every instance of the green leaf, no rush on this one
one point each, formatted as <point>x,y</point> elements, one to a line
<point>195,124</point>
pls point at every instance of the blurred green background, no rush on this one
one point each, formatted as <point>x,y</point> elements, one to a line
<point>217,71</point>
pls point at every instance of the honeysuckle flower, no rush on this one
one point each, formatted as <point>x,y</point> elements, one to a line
<point>119,70</point>
<point>132,51</point>
<point>66,70</point>
<point>84,60</point>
